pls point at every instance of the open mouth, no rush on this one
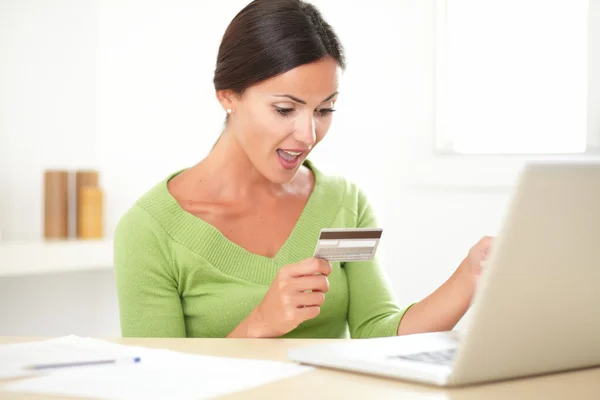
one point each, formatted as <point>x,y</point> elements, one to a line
<point>289,159</point>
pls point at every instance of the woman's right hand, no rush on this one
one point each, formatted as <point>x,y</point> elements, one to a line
<point>296,295</point>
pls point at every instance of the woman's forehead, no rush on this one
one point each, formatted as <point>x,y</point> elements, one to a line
<point>312,82</point>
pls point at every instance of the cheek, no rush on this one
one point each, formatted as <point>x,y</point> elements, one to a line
<point>322,128</point>
<point>268,128</point>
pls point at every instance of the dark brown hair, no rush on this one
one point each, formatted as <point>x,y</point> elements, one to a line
<point>270,37</point>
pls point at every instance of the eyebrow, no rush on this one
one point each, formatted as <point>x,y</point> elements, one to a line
<point>297,100</point>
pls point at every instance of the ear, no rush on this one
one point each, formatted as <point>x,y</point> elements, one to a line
<point>227,98</point>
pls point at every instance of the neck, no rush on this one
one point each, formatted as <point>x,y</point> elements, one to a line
<point>228,171</point>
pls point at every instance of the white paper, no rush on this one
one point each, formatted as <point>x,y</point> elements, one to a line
<point>15,357</point>
<point>161,374</point>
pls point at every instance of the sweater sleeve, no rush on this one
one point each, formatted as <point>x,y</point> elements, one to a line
<point>373,311</point>
<point>146,280</point>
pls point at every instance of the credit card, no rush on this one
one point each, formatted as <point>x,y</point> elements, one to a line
<point>348,244</point>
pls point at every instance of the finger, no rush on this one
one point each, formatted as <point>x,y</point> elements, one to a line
<point>486,240</point>
<point>309,299</point>
<point>310,266</point>
<point>307,312</point>
<point>315,283</point>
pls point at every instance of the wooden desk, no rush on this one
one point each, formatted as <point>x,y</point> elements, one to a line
<point>330,384</point>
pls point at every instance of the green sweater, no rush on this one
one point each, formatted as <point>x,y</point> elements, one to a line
<point>177,275</point>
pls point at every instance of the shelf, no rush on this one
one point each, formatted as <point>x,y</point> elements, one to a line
<point>43,257</point>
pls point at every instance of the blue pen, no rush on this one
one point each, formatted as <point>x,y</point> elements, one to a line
<point>85,363</point>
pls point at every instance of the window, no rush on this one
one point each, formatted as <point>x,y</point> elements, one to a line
<point>513,80</point>
<point>512,77</point>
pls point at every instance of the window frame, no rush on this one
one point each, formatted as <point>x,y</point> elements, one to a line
<point>436,163</point>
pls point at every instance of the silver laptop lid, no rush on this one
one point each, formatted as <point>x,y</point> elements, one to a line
<point>537,307</point>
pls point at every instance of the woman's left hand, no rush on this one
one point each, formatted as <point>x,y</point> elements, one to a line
<point>475,260</point>
<point>441,310</point>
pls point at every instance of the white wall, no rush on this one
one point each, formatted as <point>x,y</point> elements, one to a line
<point>126,85</point>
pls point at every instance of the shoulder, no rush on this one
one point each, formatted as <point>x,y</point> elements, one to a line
<point>352,198</point>
<point>142,246</point>
<point>144,219</point>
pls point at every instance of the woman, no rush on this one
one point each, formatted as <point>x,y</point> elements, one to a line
<point>224,248</point>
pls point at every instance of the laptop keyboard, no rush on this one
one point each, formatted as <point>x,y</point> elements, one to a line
<point>442,357</point>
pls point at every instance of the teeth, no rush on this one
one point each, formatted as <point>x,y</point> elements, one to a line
<point>289,156</point>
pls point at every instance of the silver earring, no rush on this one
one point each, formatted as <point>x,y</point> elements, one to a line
<point>229,111</point>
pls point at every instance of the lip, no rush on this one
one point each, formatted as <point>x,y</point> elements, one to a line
<point>295,150</point>
<point>290,165</point>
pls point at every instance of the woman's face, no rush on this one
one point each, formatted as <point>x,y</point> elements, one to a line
<point>279,121</point>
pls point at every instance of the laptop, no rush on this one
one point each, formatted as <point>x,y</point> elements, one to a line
<point>536,307</point>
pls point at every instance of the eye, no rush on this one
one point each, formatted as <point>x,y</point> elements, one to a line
<point>323,112</point>
<point>284,111</point>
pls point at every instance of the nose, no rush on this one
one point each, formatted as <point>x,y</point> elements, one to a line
<point>306,133</point>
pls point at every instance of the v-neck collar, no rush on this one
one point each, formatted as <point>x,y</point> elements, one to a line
<point>207,241</point>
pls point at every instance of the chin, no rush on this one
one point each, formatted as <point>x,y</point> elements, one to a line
<point>282,176</point>
<point>279,171</point>
<point>277,174</point>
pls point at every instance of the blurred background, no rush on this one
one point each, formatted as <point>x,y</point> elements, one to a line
<point>441,105</point>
